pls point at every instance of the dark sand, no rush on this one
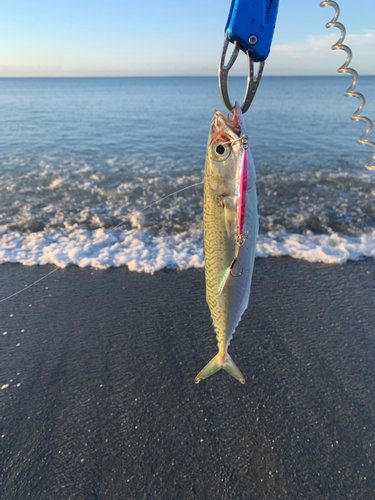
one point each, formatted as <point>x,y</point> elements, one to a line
<point>107,407</point>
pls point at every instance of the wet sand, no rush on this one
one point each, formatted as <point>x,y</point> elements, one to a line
<point>98,399</point>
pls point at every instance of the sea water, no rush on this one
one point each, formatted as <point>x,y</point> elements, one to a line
<point>82,155</point>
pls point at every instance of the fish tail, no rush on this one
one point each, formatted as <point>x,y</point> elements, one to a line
<point>217,363</point>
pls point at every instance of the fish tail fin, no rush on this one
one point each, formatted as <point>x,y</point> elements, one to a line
<point>232,369</point>
<point>217,363</point>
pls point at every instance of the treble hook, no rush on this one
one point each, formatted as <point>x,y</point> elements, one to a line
<point>226,275</point>
<point>252,83</point>
<point>231,267</point>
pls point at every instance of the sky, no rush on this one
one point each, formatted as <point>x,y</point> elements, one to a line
<point>48,38</point>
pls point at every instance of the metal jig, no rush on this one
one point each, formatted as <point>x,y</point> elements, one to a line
<point>252,83</point>
<point>345,69</point>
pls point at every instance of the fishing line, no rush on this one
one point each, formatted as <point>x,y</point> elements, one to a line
<point>99,238</point>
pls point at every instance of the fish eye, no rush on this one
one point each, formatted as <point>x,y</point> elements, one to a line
<point>220,150</point>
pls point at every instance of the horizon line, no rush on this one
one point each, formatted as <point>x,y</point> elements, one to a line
<point>171,76</point>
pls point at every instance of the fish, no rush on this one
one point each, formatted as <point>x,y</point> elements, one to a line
<point>230,230</point>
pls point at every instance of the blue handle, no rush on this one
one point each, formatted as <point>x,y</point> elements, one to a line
<point>251,24</point>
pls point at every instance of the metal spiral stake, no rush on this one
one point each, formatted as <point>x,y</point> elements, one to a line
<point>345,69</point>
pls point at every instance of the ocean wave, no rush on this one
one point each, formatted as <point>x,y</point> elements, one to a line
<point>325,248</point>
<point>146,252</point>
<point>63,193</point>
<point>138,250</point>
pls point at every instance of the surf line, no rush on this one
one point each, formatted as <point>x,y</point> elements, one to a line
<point>99,238</point>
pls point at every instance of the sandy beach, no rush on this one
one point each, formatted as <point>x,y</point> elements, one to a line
<point>98,399</point>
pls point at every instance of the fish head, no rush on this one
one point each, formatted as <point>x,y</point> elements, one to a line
<point>224,151</point>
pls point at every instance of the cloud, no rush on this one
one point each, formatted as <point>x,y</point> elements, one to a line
<point>314,55</point>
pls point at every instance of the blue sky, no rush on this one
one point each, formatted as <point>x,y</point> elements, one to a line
<point>170,37</point>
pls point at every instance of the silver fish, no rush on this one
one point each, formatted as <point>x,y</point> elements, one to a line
<point>230,229</point>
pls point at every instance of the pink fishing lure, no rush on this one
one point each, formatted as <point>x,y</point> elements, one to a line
<point>241,193</point>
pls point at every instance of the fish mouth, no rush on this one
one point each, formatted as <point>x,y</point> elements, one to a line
<point>233,121</point>
<point>227,125</point>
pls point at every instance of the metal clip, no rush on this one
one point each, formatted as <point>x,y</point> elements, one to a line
<point>250,27</point>
<point>251,24</point>
<point>252,83</point>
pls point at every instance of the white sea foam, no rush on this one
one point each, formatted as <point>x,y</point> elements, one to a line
<point>326,248</point>
<point>143,251</point>
<point>138,250</point>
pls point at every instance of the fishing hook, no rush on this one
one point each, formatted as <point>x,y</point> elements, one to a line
<point>231,267</point>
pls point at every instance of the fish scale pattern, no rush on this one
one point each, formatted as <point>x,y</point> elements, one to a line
<point>226,309</point>
<point>219,251</point>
